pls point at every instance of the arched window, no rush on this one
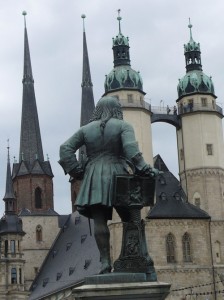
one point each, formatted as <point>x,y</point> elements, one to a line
<point>186,242</point>
<point>38,198</point>
<point>217,252</point>
<point>39,233</point>
<point>170,248</point>
<point>13,276</point>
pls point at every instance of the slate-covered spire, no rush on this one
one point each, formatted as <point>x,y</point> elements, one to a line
<point>30,138</point>
<point>87,103</point>
<point>9,198</point>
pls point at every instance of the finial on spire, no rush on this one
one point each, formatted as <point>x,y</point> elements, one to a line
<point>24,13</point>
<point>83,17</point>
<point>119,19</point>
<point>8,148</point>
<point>190,26</point>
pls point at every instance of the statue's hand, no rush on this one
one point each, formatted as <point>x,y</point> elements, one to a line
<point>149,171</point>
<point>77,172</point>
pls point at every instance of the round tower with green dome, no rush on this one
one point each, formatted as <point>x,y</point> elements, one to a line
<point>126,84</point>
<point>200,138</point>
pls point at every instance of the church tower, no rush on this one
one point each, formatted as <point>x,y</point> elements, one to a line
<point>200,138</point>
<point>32,175</point>
<point>11,234</point>
<point>126,84</point>
<point>87,107</point>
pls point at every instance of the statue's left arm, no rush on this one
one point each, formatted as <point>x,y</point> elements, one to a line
<point>132,152</point>
<point>68,159</point>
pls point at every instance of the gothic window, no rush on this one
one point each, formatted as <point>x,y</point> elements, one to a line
<point>217,252</point>
<point>39,233</point>
<point>209,148</point>
<point>170,248</point>
<point>38,198</point>
<point>197,202</point>
<point>186,242</point>
<point>13,246</point>
<point>13,276</point>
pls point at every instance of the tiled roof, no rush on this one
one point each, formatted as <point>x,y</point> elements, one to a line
<point>72,257</point>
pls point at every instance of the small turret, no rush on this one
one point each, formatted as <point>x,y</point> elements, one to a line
<point>10,222</point>
<point>122,76</point>
<point>195,81</point>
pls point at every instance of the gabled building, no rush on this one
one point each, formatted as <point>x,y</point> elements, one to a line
<point>12,263</point>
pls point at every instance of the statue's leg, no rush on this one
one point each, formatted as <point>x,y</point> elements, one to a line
<point>102,237</point>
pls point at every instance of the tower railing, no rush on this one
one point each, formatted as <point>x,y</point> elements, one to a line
<point>199,107</point>
<point>135,103</point>
<point>161,110</point>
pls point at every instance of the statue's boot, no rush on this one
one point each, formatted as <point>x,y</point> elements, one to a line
<point>102,237</point>
<point>106,265</point>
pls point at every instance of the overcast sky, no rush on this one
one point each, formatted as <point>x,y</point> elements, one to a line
<point>157,31</point>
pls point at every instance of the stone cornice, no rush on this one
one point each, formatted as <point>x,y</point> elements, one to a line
<point>217,171</point>
<point>175,222</point>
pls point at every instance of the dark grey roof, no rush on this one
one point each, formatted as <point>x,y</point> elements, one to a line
<point>26,212</point>
<point>11,224</point>
<point>171,201</point>
<point>37,167</point>
<point>72,257</point>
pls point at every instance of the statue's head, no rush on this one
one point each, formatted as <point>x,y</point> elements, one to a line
<point>107,107</point>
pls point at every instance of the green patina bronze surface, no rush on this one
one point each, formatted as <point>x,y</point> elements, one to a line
<point>111,150</point>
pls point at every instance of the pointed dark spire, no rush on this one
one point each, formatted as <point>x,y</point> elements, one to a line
<point>30,139</point>
<point>9,197</point>
<point>87,103</point>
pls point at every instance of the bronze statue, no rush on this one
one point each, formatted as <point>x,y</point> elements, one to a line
<point>111,149</point>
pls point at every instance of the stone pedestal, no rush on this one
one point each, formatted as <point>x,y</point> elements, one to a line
<point>121,287</point>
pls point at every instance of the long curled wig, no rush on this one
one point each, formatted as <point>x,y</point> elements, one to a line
<point>107,107</point>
